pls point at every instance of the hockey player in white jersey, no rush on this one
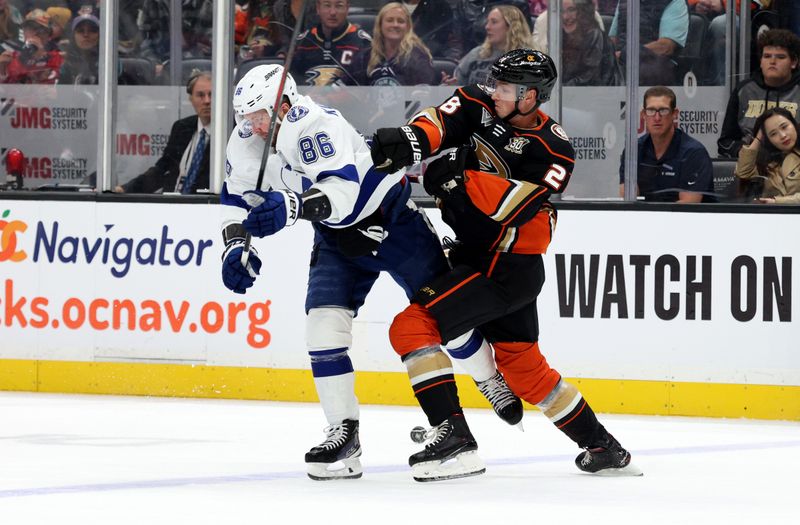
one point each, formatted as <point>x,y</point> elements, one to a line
<point>321,170</point>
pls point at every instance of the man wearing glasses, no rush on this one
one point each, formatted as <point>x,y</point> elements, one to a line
<point>673,167</point>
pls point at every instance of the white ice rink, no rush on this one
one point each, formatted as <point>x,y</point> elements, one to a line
<point>122,460</point>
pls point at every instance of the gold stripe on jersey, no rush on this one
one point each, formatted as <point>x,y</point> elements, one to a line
<point>508,241</point>
<point>519,195</point>
<point>551,215</point>
<point>431,116</point>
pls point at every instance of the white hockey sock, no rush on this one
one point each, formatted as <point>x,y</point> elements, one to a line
<point>337,397</point>
<point>473,354</point>
<point>335,382</point>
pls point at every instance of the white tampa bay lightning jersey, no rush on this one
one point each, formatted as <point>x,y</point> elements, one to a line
<point>316,147</point>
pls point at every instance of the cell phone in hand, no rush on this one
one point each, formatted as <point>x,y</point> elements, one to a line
<point>10,45</point>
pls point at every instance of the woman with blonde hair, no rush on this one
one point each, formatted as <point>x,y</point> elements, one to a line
<point>506,29</point>
<point>397,56</point>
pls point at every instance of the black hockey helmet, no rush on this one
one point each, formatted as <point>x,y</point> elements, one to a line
<point>526,68</point>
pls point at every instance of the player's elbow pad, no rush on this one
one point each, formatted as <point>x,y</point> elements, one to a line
<point>316,206</point>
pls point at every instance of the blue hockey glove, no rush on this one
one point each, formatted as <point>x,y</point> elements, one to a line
<point>271,211</point>
<point>236,277</point>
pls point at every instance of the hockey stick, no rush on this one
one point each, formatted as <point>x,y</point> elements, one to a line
<point>272,121</point>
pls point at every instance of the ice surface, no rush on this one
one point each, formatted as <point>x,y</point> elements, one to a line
<point>68,459</point>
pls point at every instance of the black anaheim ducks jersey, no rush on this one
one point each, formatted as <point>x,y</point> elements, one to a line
<point>510,178</point>
<point>321,62</point>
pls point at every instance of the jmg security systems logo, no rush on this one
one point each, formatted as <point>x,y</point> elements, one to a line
<point>54,243</point>
<point>8,239</point>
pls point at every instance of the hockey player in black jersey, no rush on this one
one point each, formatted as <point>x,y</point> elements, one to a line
<point>493,191</point>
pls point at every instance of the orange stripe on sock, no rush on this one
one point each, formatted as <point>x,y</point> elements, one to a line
<point>573,417</point>
<point>433,385</point>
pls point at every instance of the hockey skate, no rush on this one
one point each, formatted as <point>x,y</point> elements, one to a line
<point>338,456</point>
<point>451,452</point>
<point>505,403</point>
<point>607,459</point>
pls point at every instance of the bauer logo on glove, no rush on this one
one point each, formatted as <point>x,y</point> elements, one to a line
<point>271,211</point>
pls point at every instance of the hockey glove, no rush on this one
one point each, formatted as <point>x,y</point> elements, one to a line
<point>363,237</point>
<point>236,277</point>
<point>395,148</point>
<point>271,211</point>
<point>444,177</point>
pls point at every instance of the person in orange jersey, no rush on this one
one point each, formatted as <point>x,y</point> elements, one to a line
<point>493,191</point>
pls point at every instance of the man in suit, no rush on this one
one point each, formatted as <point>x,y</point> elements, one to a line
<point>184,166</point>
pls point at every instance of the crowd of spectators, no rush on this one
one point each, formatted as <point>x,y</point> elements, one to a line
<point>593,38</point>
<point>396,43</point>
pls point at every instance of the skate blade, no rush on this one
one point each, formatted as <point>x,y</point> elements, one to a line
<point>519,427</point>
<point>346,469</point>
<point>463,465</point>
<point>628,470</point>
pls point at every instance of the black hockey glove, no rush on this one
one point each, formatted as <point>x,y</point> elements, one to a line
<point>363,237</point>
<point>444,177</point>
<point>395,148</point>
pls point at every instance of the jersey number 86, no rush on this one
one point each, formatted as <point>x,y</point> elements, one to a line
<point>312,148</point>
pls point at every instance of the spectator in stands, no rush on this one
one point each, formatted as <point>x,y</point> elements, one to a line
<point>471,18</point>
<point>537,7</point>
<point>791,10</point>
<point>673,167</point>
<point>587,54</point>
<point>606,7</point>
<point>184,166</point>
<point>397,56</point>
<point>434,23</point>
<point>540,27</point>
<point>128,35</point>
<point>10,25</point>
<point>285,13</point>
<point>255,33</point>
<point>129,38</point>
<point>325,54</point>
<point>663,28</point>
<point>775,84</point>
<point>39,62</point>
<point>506,29</point>
<point>714,51</point>
<point>59,22</point>
<point>771,162</point>
<point>82,56</point>
<point>154,24</point>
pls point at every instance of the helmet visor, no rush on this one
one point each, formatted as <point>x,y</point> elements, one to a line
<point>257,119</point>
<point>501,90</point>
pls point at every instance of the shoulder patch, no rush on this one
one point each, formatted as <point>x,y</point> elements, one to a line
<point>228,167</point>
<point>364,35</point>
<point>245,129</point>
<point>516,144</point>
<point>559,132</point>
<point>296,113</point>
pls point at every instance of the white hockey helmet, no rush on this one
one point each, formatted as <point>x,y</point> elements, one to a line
<point>258,89</point>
